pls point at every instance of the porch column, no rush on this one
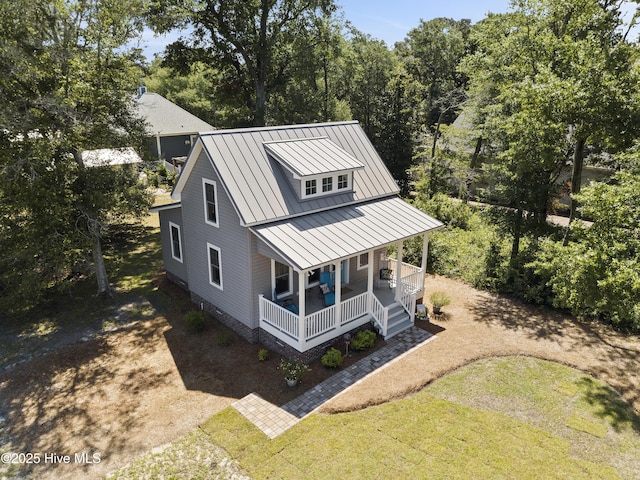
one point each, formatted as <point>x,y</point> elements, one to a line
<point>159,146</point>
<point>370,273</point>
<point>398,269</point>
<point>338,281</point>
<point>425,252</point>
<point>273,280</point>
<point>301,307</point>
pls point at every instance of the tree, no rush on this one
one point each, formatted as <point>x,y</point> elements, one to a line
<point>556,72</point>
<point>382,97</point>
<point>431,53</point>
<point>252,38</point>
<point>598,274</point>
<point>66,85</point>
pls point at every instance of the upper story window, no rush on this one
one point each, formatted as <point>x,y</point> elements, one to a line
<point>210,194</point>
<point>327,184</point>
<point>315,166</point>
<point>311,188</point>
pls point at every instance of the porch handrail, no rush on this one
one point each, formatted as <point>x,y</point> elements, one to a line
<point>284,320</point>
<point>413,282</point>
<point>380,313</point>
<point>320,322</point>
<point>354,307</point>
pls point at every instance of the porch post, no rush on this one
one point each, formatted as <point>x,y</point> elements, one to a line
<point>398,269</point>
<point>425,252</point>
<point>273,280</point>
<point>370,273</point>
<point>338,288</point>
<point>301,307</point>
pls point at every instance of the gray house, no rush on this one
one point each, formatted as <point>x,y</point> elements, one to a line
<point>282,234</point>
<point>172,130</point>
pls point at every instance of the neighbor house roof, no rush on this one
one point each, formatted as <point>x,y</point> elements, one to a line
<point>256,182</point>
<point>110,156</point>
<point>317,239</point>
<point>165,118</point>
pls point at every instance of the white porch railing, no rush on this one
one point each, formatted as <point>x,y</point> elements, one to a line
<point>354,307</point>
<point>280,318</point>
<point>320,322</point>
<point>318,327</point>
<point>321,326</point>
<point>380,314</point>
<point>409,274</point>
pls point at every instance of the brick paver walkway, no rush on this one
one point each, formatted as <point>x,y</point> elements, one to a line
<point>273,420</point>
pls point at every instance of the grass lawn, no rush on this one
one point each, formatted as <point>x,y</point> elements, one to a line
<point>511,417</point>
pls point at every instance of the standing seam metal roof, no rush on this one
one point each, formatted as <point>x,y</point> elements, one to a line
<point>317,239</point>
<point>257,184</point>
<point>312,156</point>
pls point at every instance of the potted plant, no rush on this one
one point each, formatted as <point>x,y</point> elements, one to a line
<point>293,370</point>
<point>439,300</point>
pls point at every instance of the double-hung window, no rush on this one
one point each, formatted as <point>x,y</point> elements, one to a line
<point>176,243</point>
<point>215,266</point>
<point>210,194</point>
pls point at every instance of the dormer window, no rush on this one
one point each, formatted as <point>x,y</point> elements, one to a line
<point>315,166</point>
<point>310,188</point>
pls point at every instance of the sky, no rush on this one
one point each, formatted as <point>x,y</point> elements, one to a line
<point>388,20</point>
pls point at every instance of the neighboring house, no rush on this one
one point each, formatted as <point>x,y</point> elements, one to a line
<point>267,216</point>
<point>171,128</point>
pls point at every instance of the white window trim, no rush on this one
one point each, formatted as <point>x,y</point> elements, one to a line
<point>206,182</point>
<point>348,187</point>
<point>177,227</point>
<point>363,266</point>
<point>273,278</point>
<point>334,185</point>
<point>308,283</point>
<point>211,246</point>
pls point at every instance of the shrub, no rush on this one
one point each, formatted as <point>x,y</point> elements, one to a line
<point>223,339</point>
<point>332,359</point>
<point>293,368</point>
<point>363,340</point>
<point>195,321</point>
<point>263,354</point>
<point>439,300</point>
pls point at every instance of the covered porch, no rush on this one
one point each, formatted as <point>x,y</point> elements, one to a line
<point>350,244</point>
<point>303,320</point>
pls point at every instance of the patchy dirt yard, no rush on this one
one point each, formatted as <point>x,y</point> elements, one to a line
<point>142,386</point>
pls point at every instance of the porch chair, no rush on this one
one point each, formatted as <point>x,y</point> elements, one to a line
<point>287,303</point>
<point>327,288</point>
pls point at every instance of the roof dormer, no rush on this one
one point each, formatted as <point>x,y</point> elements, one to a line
<point>317,166</point>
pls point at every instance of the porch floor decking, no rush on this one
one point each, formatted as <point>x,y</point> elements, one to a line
<point>314,298</point>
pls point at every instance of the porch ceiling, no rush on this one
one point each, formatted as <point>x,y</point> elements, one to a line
<point>324,237</point>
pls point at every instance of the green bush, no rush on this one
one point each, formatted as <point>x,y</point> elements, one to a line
<point>223,339</point>
<point>332,359</point>
<point>195,321</point>
<point>439,300</point>
<point>263,354</point>
<point>363,340</point>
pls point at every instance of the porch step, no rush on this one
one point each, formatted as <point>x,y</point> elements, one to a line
<point>398,320</point>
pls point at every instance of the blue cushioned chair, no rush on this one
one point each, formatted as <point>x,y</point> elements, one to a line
<point>327,288</point>
<point>288,303</point>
